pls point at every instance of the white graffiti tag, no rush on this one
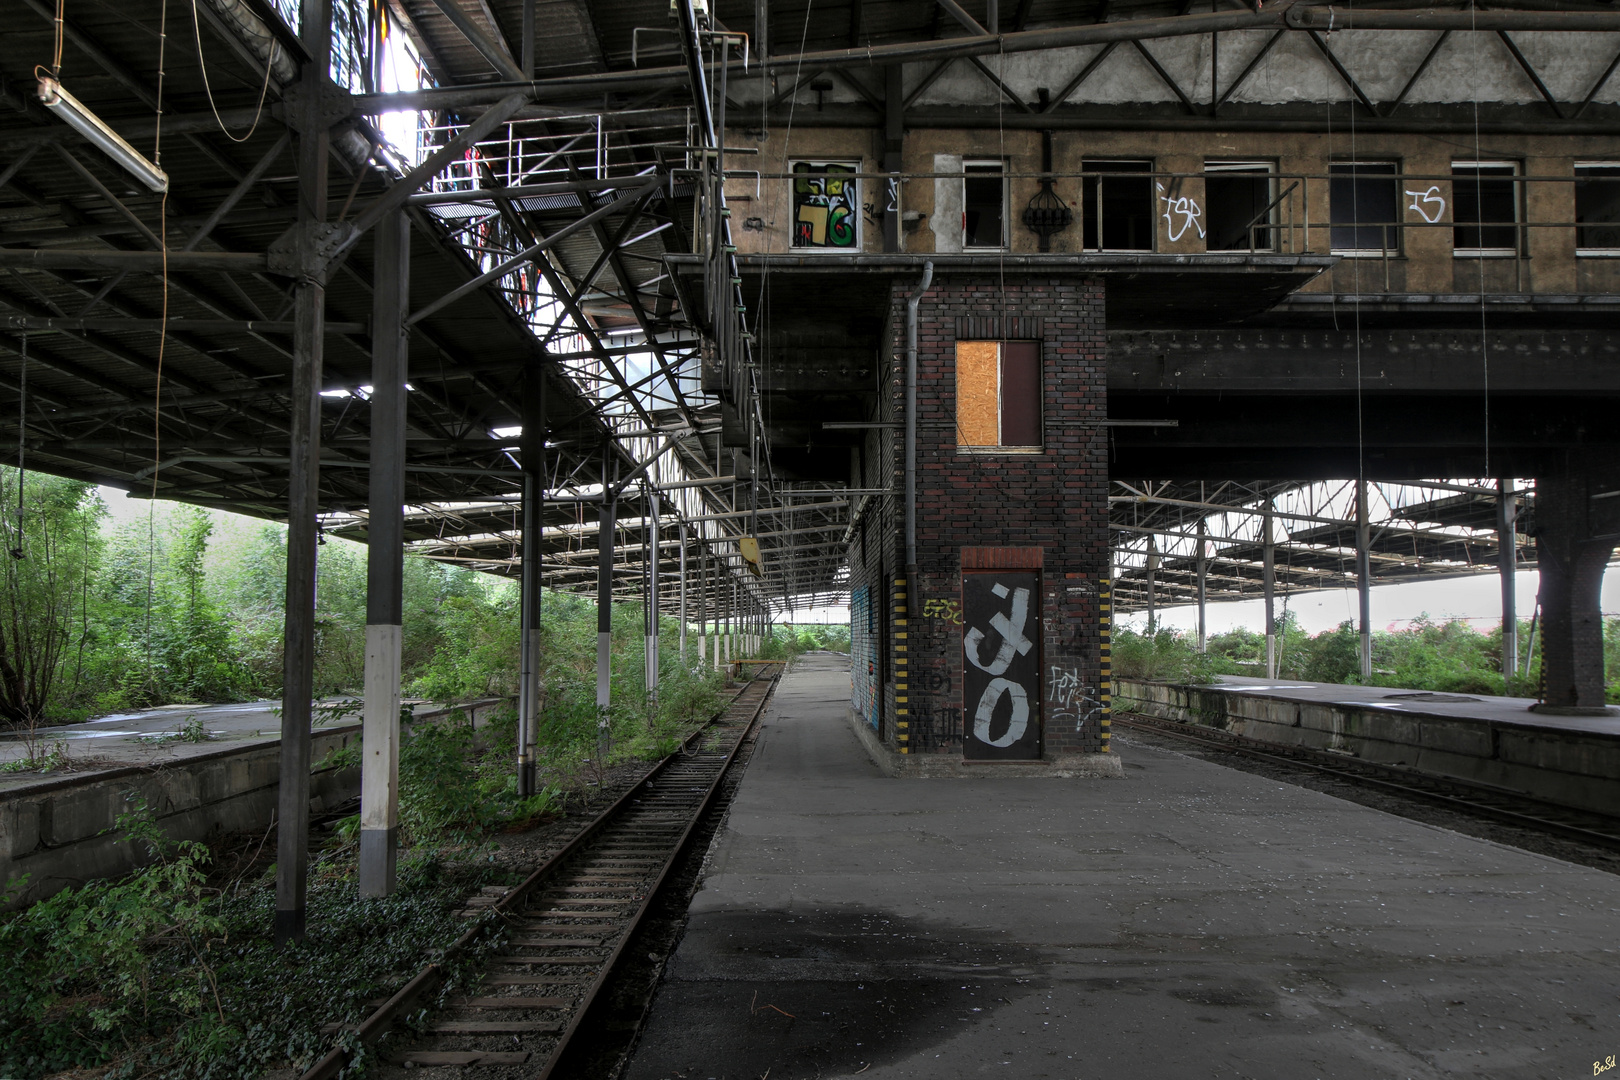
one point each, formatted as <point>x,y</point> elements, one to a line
<point>1071,699</point>
<point>1185,208</point>
<point>1011,630</point>
<point>1017,723</point>
<point>1422,199</point>
<point>1065,685</point>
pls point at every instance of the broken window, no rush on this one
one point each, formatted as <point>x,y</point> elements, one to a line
<point>1362,203</point>
<point>1597,208</point>
<point>1122,202</point>
<point>1484,207</point>
<point>826,205</point>
<point>1238,197</point>
<point>998,394</point>
<point>984,205</point>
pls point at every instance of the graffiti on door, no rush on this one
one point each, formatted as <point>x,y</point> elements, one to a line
<point>1001,670</point>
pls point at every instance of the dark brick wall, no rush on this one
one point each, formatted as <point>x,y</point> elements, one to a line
<point>1054,501</point>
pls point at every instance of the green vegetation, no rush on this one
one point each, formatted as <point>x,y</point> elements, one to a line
<point>161,975</point>
<point>1449,657</point>
<point>169,971</point>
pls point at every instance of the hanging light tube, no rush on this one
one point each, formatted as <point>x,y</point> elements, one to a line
<point>92,127</point>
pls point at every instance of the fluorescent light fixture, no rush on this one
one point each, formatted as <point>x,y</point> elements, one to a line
<point>92,127</point>
<point>506,432</point>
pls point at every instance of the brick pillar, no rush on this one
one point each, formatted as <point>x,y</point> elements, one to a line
<point>1573,545</point>
<point>1040,510</point>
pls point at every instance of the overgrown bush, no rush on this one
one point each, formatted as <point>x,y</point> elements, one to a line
<point>1446,657</point>
<point>167,979</point>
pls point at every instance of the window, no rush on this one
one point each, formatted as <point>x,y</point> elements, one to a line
<point>1363,203</point>
<point>826,205</point>
<point>1238,198</point>
<point>984,205</point>
<point>1484,208</point>
<point>1124,205</point>
<point>1597,208</point>
<point>998,394</point>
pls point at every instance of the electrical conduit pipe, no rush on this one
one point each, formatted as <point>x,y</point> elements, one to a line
<point>911,423</point>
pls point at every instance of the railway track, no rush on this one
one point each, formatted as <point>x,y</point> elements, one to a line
<point>1480,800</point>
<point>567,923</point>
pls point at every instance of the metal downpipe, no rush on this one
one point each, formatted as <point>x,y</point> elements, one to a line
<point>911,418</point>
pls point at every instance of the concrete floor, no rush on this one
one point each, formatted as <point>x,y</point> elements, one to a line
<point>1187,921</point>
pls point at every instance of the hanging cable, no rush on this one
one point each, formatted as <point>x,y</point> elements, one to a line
<point>202,64</point>
<point>163,338</point>
<point>56,54</point>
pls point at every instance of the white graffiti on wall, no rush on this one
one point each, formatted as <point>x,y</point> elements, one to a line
<point>1071,699</point>
<point>1423,199</point>
<point>1010,625</point>
<point>1180,206</point>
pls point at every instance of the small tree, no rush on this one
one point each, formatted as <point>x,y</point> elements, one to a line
<point>54,547</point>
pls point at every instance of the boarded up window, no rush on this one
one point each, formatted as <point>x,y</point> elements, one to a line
<point>998,393</point>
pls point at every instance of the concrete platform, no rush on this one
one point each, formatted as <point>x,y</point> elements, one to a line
<point>1188,921</point>
<point>57,828</point>
<point>1573,760</point>
<point>1504,710</point>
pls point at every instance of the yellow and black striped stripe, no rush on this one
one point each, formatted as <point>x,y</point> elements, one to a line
<point>902,668</point>
<point>1105,604</point>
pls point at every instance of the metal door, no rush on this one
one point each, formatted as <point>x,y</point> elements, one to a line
<point>1001,665</point>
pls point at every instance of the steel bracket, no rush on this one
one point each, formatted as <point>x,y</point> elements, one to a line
<point>337,105</point>
<point>306,249</point>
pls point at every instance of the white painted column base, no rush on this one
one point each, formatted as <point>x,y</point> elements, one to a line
<point>379,762</point>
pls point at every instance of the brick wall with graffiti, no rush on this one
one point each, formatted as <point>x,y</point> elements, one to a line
<point>1050,503</point>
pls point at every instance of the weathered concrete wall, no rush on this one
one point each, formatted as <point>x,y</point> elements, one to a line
<point>1572,768</point>
<point>58,833</point>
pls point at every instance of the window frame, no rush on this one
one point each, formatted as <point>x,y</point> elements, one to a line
<point>1517,224</point>
<point>968,165</point>
<point>1235,167</point>
<point>1395,250</point>
<point>1594,252</point>
<point>794,247</point>
<point>1088,207</point>
<point>998,447</point>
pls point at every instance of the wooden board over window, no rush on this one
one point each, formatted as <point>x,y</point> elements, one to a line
<point>998,394</point>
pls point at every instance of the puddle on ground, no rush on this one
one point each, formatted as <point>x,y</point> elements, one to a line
<point>807,994</point>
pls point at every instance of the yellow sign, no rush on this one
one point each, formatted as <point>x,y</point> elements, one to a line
<point>750,553</point>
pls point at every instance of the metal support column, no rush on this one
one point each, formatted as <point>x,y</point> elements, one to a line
<point>1508,549</point>
<point>703,605</point>
<point>385,557</point>
<point>1152,568</point>
<point>1203,576</point>
<point>682,534</point>
<point>1269,583</point>
<point>1364,579</point>
<point>894,99</point>
<point>528,39</point>
<point>654,537</point>
<point>532,458</point>
<point>304,450</point>
<point>604,618</point>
